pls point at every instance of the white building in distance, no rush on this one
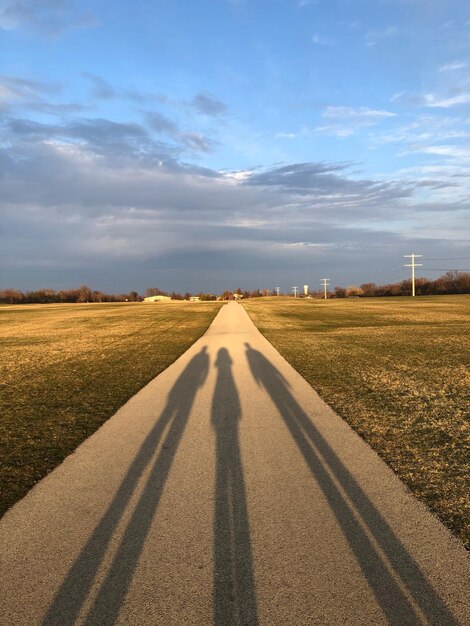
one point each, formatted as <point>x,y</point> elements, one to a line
<point>157,299</point>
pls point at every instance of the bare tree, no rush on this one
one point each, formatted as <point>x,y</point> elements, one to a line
<point>353,290</point>
<point>84,294</point>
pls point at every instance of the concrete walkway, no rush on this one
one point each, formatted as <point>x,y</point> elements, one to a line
<point>226,492</point>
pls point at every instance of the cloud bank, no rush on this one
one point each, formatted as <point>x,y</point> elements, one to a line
<point>123,204</point>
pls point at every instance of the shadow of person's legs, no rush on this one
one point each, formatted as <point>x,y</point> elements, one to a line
<point>234,591</point>
<point>74,590</point>
<point>386,562</point>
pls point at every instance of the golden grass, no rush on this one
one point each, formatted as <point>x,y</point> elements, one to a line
<point>67,368</point>
<point>397,370</point>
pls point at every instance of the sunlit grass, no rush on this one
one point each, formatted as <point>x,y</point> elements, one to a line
<point>397,370</point>
<point>67,368</point>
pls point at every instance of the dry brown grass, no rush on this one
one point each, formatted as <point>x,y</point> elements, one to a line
<point>397,370</point>
<point>67,368</point>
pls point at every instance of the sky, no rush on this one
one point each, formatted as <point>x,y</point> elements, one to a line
<point>203,146</point>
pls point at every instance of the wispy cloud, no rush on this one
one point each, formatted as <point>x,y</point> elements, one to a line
<point>14,88</point>
<point>455,66</point>
<point>345,121</point>
<point>101,88</point>
<point>435,101</point>
<point>50,17</point>
<point>310,244</point>
<point>456,98</point>
<point>360,113</point>
<point>203,103</point>
<point>456,152</point>
<point>427,127</point>
<point>408,99</point>
<point>21,93</point>
<point>208,104</point>
<point>285,135</point>
<point>198,142</point>
<point>374,37</point>
<point>161,124</point>
<point>320,40</point>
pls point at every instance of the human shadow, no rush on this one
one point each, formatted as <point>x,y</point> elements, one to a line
<point>234,590</point>
<point>73,593</point>
<point>392,574</point>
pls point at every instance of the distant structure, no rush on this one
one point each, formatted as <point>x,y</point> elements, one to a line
<point>325,285</point>
<point>194,299</point>
<point>157,299</point>
<point>305,290</point>
<point>413,265</point>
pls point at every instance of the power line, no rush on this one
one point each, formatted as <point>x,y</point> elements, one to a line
<point>387,271</point>
<point>325,284</point>
<point>455,258</point>
<point>386,275</point>
<point>448,269</point>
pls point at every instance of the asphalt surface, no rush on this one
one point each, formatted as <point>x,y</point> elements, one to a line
<point>226,492</point>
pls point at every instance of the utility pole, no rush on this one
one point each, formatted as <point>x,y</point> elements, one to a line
<point>277,291</point>
<point>295,290</point>
<point>412,265</point>
<point>325,284</point>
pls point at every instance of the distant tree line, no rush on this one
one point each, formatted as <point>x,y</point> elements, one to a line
<point>244,294</point>
<point>453,282</point>
<point>51,296</point>
<point>86,294</point>
<point>154,291</point>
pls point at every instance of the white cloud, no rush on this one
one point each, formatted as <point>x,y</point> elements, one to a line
<point>427,127</point>
<point>50,17</point>
<point>287,135</point>
<point>319,40</point>
<point>434,101</point>
<point>397,96</point>
<point>360,113</point>
<point>373,37</point>
<point>344,121</point>
<point>337,131</point>
<point>310,244</point>
<point>453,67</point>
<point>449,151</point>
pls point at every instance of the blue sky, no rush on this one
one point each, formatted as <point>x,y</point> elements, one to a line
<point>211,144</point>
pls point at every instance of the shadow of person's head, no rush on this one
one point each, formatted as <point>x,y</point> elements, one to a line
<point>224,359</point>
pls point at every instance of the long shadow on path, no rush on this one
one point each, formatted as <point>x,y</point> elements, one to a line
<point>76,587</point>
<point>384,562</point>
<point>234,591</point>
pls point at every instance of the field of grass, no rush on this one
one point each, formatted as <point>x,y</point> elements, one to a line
<point>67,368</point>
<point>397,370</point>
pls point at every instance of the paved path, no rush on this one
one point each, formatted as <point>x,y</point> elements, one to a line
<point>226,492</point>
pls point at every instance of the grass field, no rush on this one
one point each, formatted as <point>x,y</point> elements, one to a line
<point>397,370</point>
<point>67,368</point>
